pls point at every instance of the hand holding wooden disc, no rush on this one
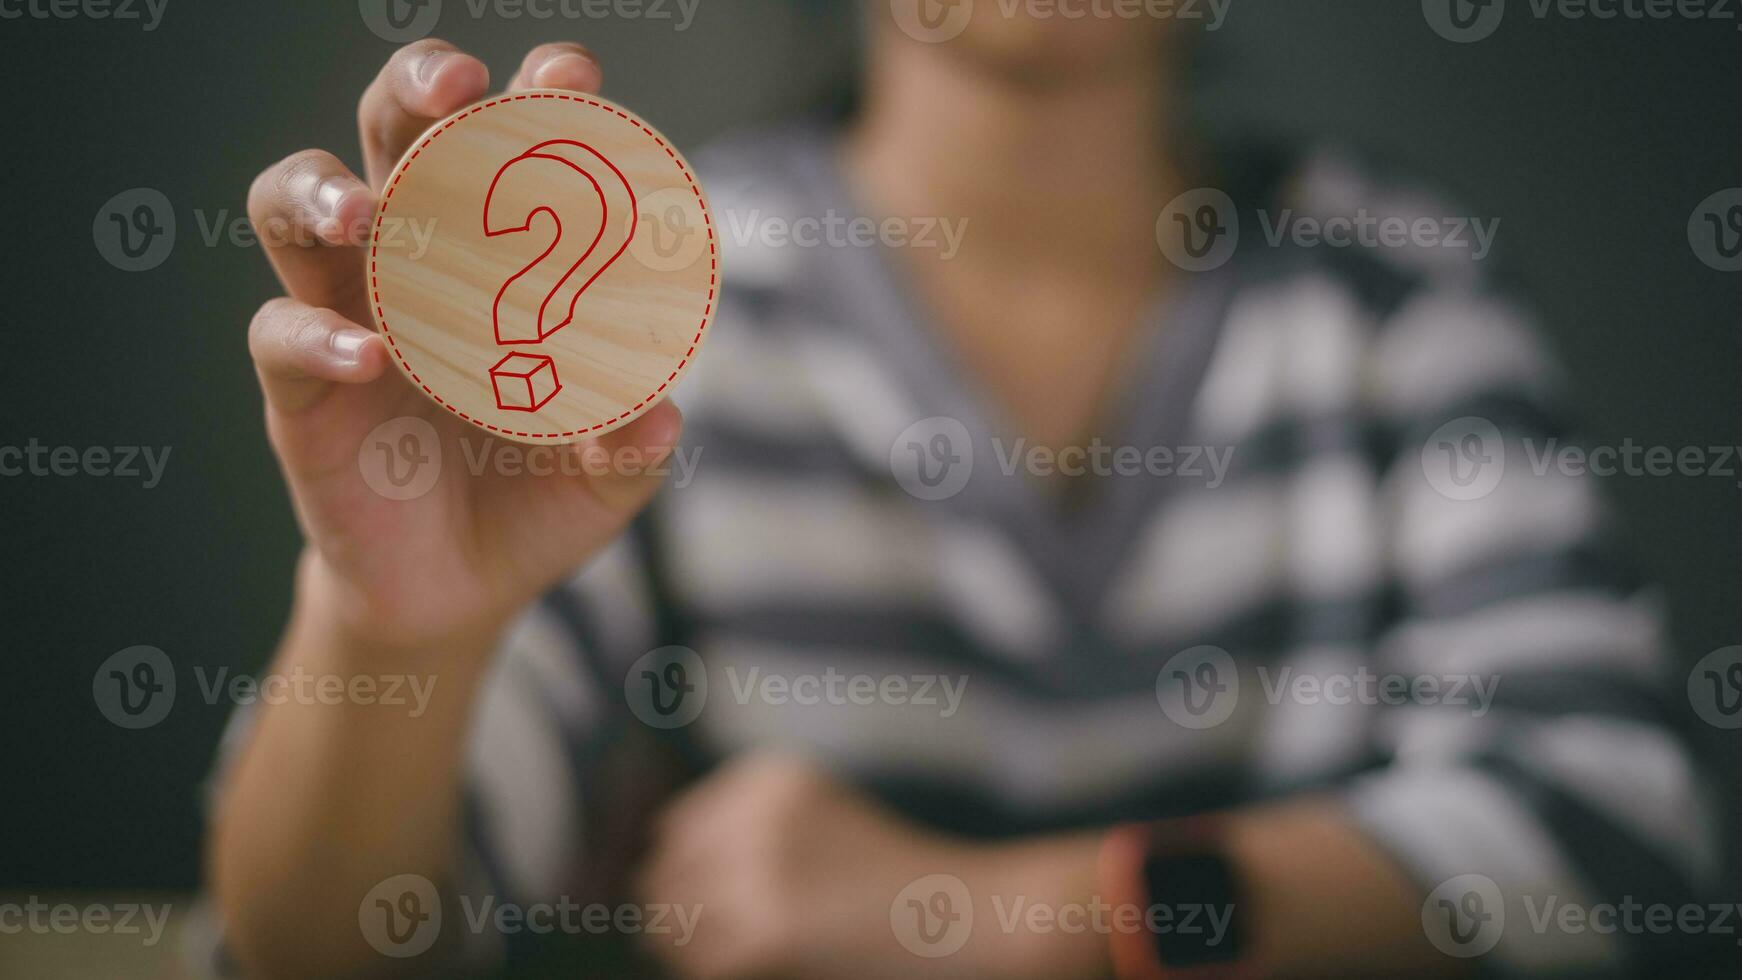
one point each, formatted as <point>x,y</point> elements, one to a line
<point>543,265</point>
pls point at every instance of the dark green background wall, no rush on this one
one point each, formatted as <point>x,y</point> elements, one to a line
<point>1592,141</point>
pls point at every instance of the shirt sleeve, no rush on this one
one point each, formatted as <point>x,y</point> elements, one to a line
<point>1564,778</point>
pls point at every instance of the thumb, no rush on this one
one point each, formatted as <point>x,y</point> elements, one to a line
<point>626,466</point>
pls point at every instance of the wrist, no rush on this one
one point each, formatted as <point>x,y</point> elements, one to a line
<point>1037,911</point>
<point>329,615</point>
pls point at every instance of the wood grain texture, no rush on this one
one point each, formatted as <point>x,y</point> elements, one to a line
<point>511,214</point>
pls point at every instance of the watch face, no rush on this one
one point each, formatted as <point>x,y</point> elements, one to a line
<point>1194,913</point>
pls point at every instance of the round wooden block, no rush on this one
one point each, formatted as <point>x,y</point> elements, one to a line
<point>543,265</point>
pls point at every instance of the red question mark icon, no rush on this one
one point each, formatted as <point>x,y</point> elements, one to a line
<point>540,299</point>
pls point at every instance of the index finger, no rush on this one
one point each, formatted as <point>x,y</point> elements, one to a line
<point>420,84</point>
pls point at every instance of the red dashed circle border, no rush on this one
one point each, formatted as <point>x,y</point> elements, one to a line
<point>695,188</point>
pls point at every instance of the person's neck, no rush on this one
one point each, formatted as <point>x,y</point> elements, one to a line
<point>1069,171</point>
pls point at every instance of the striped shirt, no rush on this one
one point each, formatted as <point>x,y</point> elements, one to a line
<point>1316,560</point>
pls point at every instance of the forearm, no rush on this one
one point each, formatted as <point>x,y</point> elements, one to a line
<point>1315,899</point>
<point>331,796</point>
<point>1322,900</point>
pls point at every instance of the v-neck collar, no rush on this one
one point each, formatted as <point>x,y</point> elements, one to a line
<point>1076,551</point>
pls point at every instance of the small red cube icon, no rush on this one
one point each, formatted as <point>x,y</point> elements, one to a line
<point>524,382</point>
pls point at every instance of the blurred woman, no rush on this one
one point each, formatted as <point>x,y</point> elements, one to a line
<point>1079,555</point>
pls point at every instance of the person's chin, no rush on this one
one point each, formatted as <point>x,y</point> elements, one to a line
<point>1044,55</point>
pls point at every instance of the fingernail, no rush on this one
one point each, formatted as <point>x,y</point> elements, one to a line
<point>348,344</point>
<point>331,193</point>
<point>426,69</point>
<point>563,66</point>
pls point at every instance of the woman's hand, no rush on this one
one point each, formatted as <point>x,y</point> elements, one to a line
<point>460,559</point>
<point>784,872</point>
<point>325,801</point>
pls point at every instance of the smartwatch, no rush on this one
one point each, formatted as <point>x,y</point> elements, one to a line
<point>1177,899</point>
